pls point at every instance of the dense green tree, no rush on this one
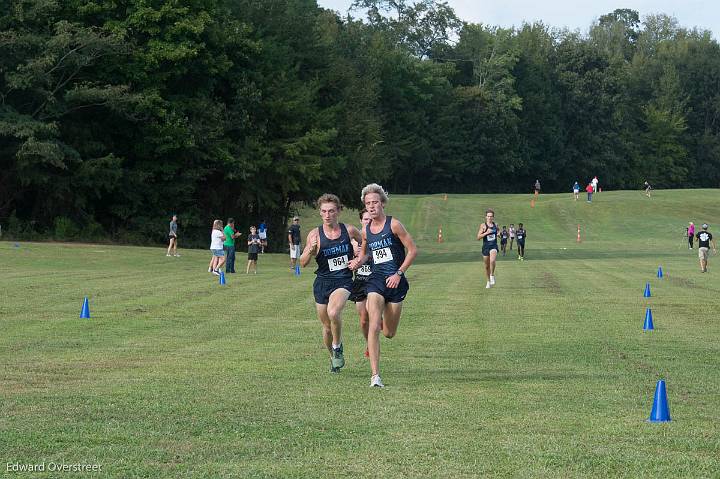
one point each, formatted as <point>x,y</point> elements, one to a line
<point>115,115</point>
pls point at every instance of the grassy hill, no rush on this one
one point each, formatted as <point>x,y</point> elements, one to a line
<point>548,374</point>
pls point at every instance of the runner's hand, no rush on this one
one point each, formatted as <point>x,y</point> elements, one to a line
<point>392,281</point>
<point>314,246</point>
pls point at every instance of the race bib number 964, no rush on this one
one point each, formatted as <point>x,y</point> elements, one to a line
<point>336,264</point>
<point>382,255</point>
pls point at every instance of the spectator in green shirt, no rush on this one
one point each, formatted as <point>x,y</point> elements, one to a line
<point>229,245</point>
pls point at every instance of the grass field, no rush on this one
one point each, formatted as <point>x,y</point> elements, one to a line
<point>549,374</point>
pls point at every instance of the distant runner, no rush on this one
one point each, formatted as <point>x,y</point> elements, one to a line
<point>503,240</point>
<point>521,236</point>
<point>488,234</point>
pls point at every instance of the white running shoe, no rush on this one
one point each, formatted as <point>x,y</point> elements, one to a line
<point>492,280</point>
<point>487,285</point>
<point>177,255</point>
<point>216,272</point>
<point>376,382</point>
<point>209,270</point>
<point>168,255</point>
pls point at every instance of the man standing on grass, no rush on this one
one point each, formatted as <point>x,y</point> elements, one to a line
<point>229,245</point>
<point>704,239</point>
<point>488,234</point>
<point>387,240</point>
<point>589,190</point>
<point>294,241</point>
<point>330,244</point>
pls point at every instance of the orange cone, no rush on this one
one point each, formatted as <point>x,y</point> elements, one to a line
<point>440,236</point>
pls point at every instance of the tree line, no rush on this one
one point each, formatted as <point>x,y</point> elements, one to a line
<point>114,115</point>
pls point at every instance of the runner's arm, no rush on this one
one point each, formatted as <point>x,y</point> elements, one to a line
<point>482,232</point>
<point>355,239</point>
<point>311,247</point>
<point>362,257</point>
<point>399,230</point>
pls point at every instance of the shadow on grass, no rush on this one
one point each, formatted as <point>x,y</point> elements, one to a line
<point>452,375</point>
<point>535,255</point>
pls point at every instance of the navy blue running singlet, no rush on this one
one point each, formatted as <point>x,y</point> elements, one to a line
<point>491,240</point>
<point>333,257</point>
<point>388,252</point>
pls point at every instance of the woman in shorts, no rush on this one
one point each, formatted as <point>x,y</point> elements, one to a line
<point>216,246</point>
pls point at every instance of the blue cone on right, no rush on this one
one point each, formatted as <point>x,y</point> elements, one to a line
<point>660,409</point>
<point>85,311</point>
<point>660,274</point>
<point>648,326</point>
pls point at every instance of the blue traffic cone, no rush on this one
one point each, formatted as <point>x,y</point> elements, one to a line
<point>660,275</point>
<point>85,311</point>
<point>660,409</point>
<point>222,277</point>
<point>646,294</point>
<point>648,326</point>
<point>297,270</point>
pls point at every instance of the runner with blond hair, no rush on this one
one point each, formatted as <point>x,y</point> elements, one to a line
<point>393,251</point>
